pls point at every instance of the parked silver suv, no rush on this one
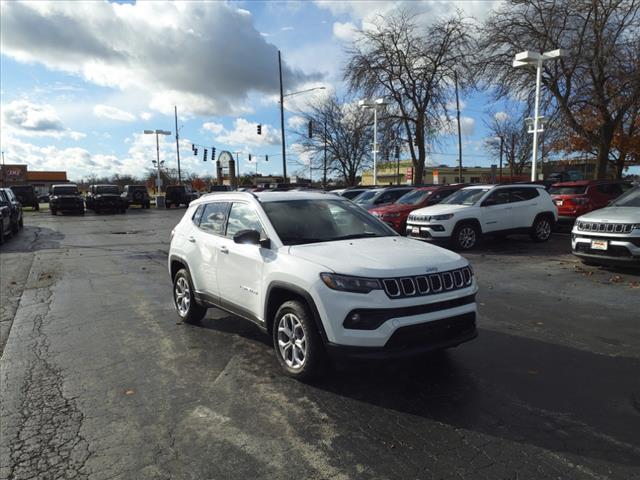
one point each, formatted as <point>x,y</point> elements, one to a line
<point>610,235</point>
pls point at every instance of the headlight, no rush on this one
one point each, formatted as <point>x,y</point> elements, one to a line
<point>441,217</point>
<point>347,283</point>
<point>636,227</point>
<point>391,215</point>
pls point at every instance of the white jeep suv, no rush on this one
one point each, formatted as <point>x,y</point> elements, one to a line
<point>321,276</point>
<point>471,212</point>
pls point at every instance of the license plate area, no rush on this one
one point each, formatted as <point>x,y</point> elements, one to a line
<point>599,244</point>
<point>559,203</point>
<point>415,231</point>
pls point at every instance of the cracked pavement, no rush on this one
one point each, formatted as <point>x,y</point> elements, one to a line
<point>100,380</point>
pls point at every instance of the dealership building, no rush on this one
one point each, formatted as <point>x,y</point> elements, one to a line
<point>20,175</point>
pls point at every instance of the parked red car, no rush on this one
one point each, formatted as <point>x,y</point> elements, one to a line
<point>577,198</point>
<point>395,215</point>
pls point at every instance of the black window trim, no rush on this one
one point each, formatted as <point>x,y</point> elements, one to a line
<point>226,226</point>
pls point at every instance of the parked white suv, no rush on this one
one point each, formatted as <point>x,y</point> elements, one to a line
<point>471,212</point>
<point>320,275</point>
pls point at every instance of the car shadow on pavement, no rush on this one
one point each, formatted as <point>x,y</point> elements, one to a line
<point>518,244</point>
<point>537,393</point>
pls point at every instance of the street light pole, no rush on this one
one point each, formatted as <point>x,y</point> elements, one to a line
<point>324,176</point>
<point>536,59</point>
<point>175,108</point>
<point>157,132</point>
<point>501,146</point>
<point>374,105</point>
<point>284,149</point>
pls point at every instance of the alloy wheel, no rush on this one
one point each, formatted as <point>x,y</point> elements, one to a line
<point>543,229</point>
<point>292,341</point>
<point>182,296</point>
<point>467,237</point>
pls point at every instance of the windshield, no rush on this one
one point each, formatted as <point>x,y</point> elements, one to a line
<point>107,189</point>
<point>310,221</point>
<point>466,196</point>
<point>415,197</point>
<point>351,194</point>
<point>366,197</point>
<point>628,199</point>
<point>573,190</point>
<point>65,191</point>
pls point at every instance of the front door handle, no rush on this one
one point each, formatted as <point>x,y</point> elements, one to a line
<point>223,249</point>
<point>191,239</point>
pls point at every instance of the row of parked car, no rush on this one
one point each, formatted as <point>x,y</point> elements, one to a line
<point>461,214</point>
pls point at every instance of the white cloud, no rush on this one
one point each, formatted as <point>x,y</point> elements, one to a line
<point>25,118</point>
<point>202,56</point>
<point>245,133</point>
<point>146,115</point>
<point>215,128</point>
<point>296,122</point>
<point>345,31</point>
<point>467,126</point>
<point>287,29</point>
<point>113,113</point>
<point>501,116</point>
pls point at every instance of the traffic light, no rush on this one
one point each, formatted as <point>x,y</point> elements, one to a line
<point>205,155</point>
<point>310,128</point>
<point>195,152</point>
<point>259,129</point>
<point>397,151</point>
<point>249,157</point>
<point>213,153</point>
<point>266,158</point>
<point>193,147</point>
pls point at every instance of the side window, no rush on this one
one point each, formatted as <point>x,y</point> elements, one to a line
<point>500,196</point>
<point>197,215</point>
<point>615,189</point>
<point>523,194</point>
<point>243,217</point>
<point>214,217</point>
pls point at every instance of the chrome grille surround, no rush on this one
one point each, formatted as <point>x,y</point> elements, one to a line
<point>605,227</point>
<point>429,284</point>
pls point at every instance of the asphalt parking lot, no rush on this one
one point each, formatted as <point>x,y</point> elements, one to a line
<point>100,380</point>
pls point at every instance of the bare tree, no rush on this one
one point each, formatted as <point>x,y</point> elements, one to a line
<point>516,142</point>
<point>414,66</point>
<point>599,78</point>
<point>345,128</point>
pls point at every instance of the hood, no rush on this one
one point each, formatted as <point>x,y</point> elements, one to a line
<point>393,208</point>
<point>108,195</point>
<point>379,257</point>
<point>613,215</point>
<point>440,209</point>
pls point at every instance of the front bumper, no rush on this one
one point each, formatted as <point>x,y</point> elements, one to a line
<point>67,206</point>
<point>431,232</point>
<point>415,339</point>
<point>621,249</point>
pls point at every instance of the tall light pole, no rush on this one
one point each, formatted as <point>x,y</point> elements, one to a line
<point>374,105</point>
<point>157,132</point>
<point>282,132</point>
<point>531,59</point>
<point>175,109</point>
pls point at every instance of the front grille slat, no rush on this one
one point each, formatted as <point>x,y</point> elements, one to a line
<point>420,285</point>
<point>605,227</point>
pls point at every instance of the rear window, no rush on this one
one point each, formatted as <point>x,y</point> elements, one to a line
<point>574,190</point>
<point>107,189</point>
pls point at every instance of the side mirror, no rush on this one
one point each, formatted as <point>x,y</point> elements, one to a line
<point>250,237</point>
<point>489,202</point>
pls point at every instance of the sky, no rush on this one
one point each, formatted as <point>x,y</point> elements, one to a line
<point>81,81</point>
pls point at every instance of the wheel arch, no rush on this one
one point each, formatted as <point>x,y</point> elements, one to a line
<point>177,263</point>
<point>279,292</point>
<point>547,214</point>
<point>465,221</point>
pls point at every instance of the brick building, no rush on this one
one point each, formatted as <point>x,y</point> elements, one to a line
<point>20,175</point>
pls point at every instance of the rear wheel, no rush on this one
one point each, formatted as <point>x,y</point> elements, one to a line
<point>21,223</point>
<point>1,234</point>
<point>297,341</point>
<point>15,227</point>
<point>184,300</point>
<point>53,211</point>
<point>465,236</point>
<point>541,229</point>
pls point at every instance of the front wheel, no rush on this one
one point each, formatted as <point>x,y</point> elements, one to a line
<point>21,223</point>
<point>541,229</point>
<point>297,342</point>
<point>1,234</point>
<point>184,300</point>
<point>53,211</point>
<point>465,236</point>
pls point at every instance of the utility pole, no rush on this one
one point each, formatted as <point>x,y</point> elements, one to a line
<point>3,169</point>
<point>397,152</point>
<point>175,109</point>
<point>324,177</point>
<point>455,76</point>
<point>513,155</point>
<point>284,152</point>
<point>501,146</point>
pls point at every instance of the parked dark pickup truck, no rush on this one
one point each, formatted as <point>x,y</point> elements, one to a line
<point>65,197</point>
<point>176,195</point>
<point>26,195</point>
<point>102,198</point>
<point>5,216</point>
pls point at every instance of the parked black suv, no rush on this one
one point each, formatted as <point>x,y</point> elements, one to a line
<point>5,216</point>
<point>103,198</point>
<point>65,197</point>
<point>136,195</point>
<point>26,195</point>
<point>15,215</point>
<point>179,195</point>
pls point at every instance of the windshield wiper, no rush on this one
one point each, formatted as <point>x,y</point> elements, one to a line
<point>301,241</point>
<point>356,235</point>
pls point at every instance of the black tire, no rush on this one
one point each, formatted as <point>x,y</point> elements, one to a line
<point>21,223</point>
<point>192,312</point>
<point>36,207</point>
<point>167,204</point>
<point>541,229</point>
<point>82,211</point>
<point>15,228</point>
<point>147,205</point>
<point>465,236</point>
<point>1,234</point>
<point>53,211</point>
<point>315,360</point>
<point>96,210</point>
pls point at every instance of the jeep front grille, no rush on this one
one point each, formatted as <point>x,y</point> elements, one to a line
<point>420,285</point>
<point>605,227</point>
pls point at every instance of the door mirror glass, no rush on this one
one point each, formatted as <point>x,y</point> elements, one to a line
<point>247,237</point>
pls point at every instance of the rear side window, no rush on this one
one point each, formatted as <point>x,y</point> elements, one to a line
<point>197,215</point>
<point>611,189</point>
<point>523,194</point>
<point>214,217</point>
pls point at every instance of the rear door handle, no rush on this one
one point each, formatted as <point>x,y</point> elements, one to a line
<point>191,239</point>
<point>223,249</point>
